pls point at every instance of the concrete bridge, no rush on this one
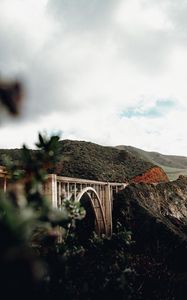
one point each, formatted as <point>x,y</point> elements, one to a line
<point>100,194</point>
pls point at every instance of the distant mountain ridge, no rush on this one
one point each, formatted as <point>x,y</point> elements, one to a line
<point>173,165</point>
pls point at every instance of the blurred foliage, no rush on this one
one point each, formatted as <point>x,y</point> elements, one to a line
<point>25,198</point>
<point>27,219</point>
<point>11,94</point>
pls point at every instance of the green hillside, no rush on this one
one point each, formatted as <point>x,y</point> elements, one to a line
<point>88,160</point>
<point>173,165</point>
<point>91,161</point>
<point>12,155</point>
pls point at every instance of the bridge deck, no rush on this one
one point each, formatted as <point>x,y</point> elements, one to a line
<point>87,181</point>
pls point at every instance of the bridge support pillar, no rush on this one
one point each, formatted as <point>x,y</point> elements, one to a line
<point>51,189</point>
<point>108,210</point>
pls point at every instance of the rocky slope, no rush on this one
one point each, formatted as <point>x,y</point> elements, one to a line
<point>153,175</point>
<point>156,215</point>
<point>155,212</point>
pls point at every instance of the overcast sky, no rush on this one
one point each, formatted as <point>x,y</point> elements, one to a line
<point>107,71</point>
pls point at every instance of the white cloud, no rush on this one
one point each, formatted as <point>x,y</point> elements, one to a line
<point>85,62</point>
<point>142,16</point>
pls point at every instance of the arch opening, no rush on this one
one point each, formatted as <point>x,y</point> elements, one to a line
<point>94,219</point>
<point>86,226</point>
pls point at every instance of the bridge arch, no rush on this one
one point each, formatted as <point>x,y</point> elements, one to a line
<point>98,197</point>
<point>100,226</point>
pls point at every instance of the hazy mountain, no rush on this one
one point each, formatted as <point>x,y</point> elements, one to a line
<point>173,165</point>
